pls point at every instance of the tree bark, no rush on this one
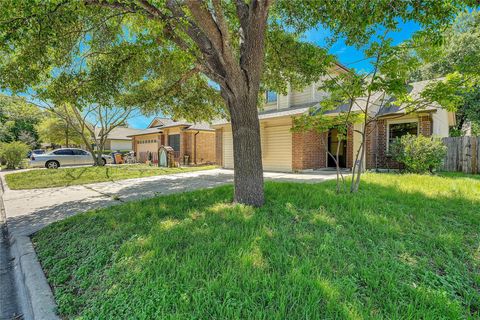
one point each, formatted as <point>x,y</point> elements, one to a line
<point>247,151</point>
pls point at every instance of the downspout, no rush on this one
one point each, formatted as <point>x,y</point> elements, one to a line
<point>195,147</point>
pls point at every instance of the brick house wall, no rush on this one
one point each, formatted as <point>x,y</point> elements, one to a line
<point>205,147</point>
<point>206,151</point>
<point>376,142</point>
<point>425,125</point>
<point>219,147</point>
<point>309,150</point>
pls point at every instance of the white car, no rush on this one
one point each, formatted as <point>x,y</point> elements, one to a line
<point>65,157</point>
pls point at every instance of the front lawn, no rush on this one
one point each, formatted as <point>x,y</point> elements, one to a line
<point>48,178</point>
<point>406,246</point>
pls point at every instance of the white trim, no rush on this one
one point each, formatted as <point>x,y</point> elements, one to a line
<point>397,121</point>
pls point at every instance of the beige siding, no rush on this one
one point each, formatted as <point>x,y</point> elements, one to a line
<point>270,106</point>
<point>277,148</point>
<point>303,96</point>
<point>227,149</point>
<point>440,123</point>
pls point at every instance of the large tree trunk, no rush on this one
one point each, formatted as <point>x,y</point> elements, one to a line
<point>247,150</point>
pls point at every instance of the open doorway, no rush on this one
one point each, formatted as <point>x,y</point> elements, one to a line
<point>332,148</point>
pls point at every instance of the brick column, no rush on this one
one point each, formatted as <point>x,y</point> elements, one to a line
<point>425,125</point>
<point>350,156</point>
<point>370,142</point>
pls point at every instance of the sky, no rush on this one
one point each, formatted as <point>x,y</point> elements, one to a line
<point>347,55</point>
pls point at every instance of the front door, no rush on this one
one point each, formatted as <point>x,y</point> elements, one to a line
<point>333,143</point>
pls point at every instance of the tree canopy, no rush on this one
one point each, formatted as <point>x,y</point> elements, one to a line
<point>456,56</point>
<point>192,59</point>
<point>144,49</point>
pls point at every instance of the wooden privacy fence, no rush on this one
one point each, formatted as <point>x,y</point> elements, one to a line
<point>463,154</point>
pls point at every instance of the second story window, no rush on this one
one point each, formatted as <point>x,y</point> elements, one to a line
<point>271,96</point>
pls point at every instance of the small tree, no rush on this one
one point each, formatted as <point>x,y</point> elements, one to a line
<point>56,131</point>
<point>13,153</point>
<point>419,154</point>
<point>320,122</point>
<point>368,95</point>
<point>93,124</point>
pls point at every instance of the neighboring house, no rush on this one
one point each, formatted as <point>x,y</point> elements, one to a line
<point>287,151</point>
<point>193,140</point>
<point>119,139</point>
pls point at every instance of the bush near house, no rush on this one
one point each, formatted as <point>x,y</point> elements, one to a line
<point>419,154</point>
<point>13,153</point>
<point>403,247</point>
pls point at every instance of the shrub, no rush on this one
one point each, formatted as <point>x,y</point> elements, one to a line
<point>13,153</point>
<point>418,154</point>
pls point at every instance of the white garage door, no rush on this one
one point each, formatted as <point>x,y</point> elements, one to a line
<point>227,150</point>
<point>277,149</point>
<point>121,145</point>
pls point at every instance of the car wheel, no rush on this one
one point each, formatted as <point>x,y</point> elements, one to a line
<point>52,164</point>
<point>104,161</point>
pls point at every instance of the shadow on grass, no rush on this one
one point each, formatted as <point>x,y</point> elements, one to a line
<point>308,253</point>
<point>69,174</point>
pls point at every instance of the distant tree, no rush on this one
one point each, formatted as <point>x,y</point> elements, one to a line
<point>56,131</point>
<point>27,138</point>
<point>91,124</point>
<point>457,52</point>
<point>174,55</point>
<point>18,119</point>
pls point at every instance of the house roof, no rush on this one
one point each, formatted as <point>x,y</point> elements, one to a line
<point>169,123</point>
<point>146,131</point>
<point>161,120</point>
<point>291,111</point>
<point>120,133</point>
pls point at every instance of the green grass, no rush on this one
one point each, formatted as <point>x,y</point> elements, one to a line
<point>44,178</point>
<point>404,247</point>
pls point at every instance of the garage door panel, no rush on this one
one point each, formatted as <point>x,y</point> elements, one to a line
<point>277,148</point>
<point>227,150</point>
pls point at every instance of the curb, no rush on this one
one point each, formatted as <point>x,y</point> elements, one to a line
<point>35,297</point>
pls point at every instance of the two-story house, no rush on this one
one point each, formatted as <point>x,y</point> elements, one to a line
<point>287,151</point>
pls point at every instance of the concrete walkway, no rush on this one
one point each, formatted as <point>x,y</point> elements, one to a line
<point>30,210</point>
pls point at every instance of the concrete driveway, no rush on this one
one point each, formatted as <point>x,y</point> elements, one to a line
<point>28,211</point>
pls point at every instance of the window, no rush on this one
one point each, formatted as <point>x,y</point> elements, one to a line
<point>396,130</point>
<point>271,96</point>
<point>79,152</point>
<point>64,152</point>
<point>174,141</point>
